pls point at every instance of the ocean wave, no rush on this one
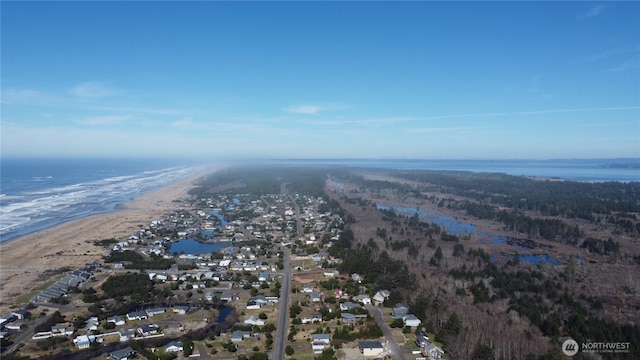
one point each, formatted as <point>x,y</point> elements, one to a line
<point>32,210</point>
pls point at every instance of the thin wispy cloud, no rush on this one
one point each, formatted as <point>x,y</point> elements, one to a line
<point>625,66</point>
<point>107,120</point>
<point>624,50</point>
<point>25,96</point>
<point>94,90</point>
<point>438,130</point>
<point>368,122</point>
<point>530,112</point>
<point>572,110</point>
<point>310,109</point>
<point>391,121</point>
<point>592,12</point>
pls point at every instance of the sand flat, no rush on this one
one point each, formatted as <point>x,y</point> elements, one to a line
<point>24,259</point>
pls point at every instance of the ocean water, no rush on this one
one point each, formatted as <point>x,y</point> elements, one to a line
<point>623,170</point>
<point>38,193</point>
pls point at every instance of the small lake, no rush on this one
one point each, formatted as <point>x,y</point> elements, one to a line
<point>451,224</point>
<point>224,311</point>
<point>223,221</point>
<point>207,233</point>
<point>455,226</point>
<point>192,246</point>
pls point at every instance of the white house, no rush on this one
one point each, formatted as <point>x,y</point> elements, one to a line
<point>84,341</point>
<point>411,320</point>
<point>116,320</point>
<point>431,351</point>
<point>92,324</point>
<point>363,299</point>
<point>370,348</point>
<point>254,320</point>
<point>137,315</point>
<point>148,329</point>
<point>174,346</point>
<point>126,334</point>
<point>252,305</point>
<point>155,311</point>
<point>331,274</point>
<point>240,335</point>
<point>381,296</point>
<point>180,309</point>
<point>319,342</point>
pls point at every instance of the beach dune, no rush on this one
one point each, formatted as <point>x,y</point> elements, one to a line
<point>25,260</point>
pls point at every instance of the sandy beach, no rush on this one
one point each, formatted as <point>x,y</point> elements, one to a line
<point>24,260</point>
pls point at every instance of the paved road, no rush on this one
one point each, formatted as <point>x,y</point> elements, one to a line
<point>26,335</point>
<point>394,348</point>
<point>281,329</point>
<point>204,353</point>
<point>285,290</point>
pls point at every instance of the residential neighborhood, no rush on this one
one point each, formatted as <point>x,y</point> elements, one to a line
<point>210,273</point>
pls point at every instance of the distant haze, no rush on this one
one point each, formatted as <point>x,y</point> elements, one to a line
<point>434,80</point>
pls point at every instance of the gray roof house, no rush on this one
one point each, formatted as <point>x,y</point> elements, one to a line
<point>123,354</point>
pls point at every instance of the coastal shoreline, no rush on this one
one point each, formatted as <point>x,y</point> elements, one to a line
<point>27,261</point>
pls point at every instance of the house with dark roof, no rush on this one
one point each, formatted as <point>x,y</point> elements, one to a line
<point>348,306</point>
<point>399,310</point>
<point>137,315</point>
<point>174,346</point>
<point>347,318</point>
<point>123,354</point>
<point>370,348</point>
<point>148,329</point>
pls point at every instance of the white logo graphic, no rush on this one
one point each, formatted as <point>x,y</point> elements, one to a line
<point>570,347</point>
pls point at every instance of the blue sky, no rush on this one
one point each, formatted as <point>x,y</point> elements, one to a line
<point>431,80</point>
